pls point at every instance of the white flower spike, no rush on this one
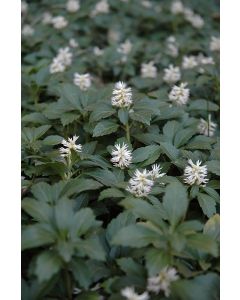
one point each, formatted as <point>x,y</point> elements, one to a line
<point>122,95</point>
<point>140,184</point>
<point>130,294</point>
<point>148,70</point>
<point>155,173</point>
<point>162,281</point>
<point>83,81</point>
<point>172,74</point>
<point>195,173</point>
<point>121,156</point>
<point>207,127</point>
<point>59,22</point>
<point>72,6</point>
<point>179,94</point>
<point>70,144</point>
<point>215,44</point>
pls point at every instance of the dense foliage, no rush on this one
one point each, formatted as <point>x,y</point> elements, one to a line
<point>94,227</point>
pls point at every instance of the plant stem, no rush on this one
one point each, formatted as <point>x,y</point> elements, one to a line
<point>128,132</point>
<point>68,284</point>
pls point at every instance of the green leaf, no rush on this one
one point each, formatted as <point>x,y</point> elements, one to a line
<point>106,177</point>
<point>37,235</point>
<point>123,116</point>
<point>156,260</point>
<point>111,193</point>
<point>72,94</point>
<point>183,136</point>
<point>200,142</point>
<point>79,185</point>
<point>82,221</point>
<point>42,191</point>
<point>171,151</point>
<point>144,210</point>
<point>93,248</point>
<point>212,227</point>
<point>213,167</point>
<point>69,117</point>
<point>47,265</point>
<point>207,203</point>
<point>101,111</point>
<point>63,215</point>
<point>104,128</point>
<point>40,211</point>
<point>65,250</point>
<point>36,118</point>
<point>141,116</point>
<point>136,236</point>
<point>52,140</point>
<point>175,202</point>
<point>201,287</point>
<point>130,267</point>
<point>203,243</point>
<point>170,129</point>
<point>144,153</point>
<point>81,272</point>
<point>204,105</point>
<point>123,219</point>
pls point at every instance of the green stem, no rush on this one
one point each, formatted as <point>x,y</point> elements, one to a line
<point>68,284</point>
<point>127,129</point>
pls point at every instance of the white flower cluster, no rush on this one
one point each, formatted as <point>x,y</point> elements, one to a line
<point>141,183</point>
<point>195,20</point>
<point>177,7</point>
<point>130,294</point>
<point>61,61</point>
<point>179,94</point>
<point>148,70</point>
<point>146,3</point>
<point>47,18</point>
<point>73,43</point>
<point>121,156</point>
<point>27,30</point>
<point>125,48</point>
<point>172,47</point>
<point>70,144</point>
<point>102,7</point>
<point>195,173</point>
<point>97,51</point>
<point>215,44</point>
<point>113,36</point>
<point>190,62</point>
<point>59,22</point>
<point>162,281</point>
<point>24,7</point>
<point>122,95</point>
<point>72,6</point>
<point>83,81</point>
<point>207,127</point>
<point>172,74</point>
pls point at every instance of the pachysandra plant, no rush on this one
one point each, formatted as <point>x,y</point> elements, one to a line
<point>120,150</point>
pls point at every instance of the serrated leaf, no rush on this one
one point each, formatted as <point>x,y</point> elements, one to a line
<point>111,193</point>
<point>101,111</point>
<point>171,151</point>
<point>175,202</point>
<point>104,128</point>
<point>136,236</point>
<point>47,265</point>
<point>207,203</point>
<point>144,153</point>
<point>156,260</point>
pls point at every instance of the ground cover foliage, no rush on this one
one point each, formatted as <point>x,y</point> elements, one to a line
<point>137,221</point>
